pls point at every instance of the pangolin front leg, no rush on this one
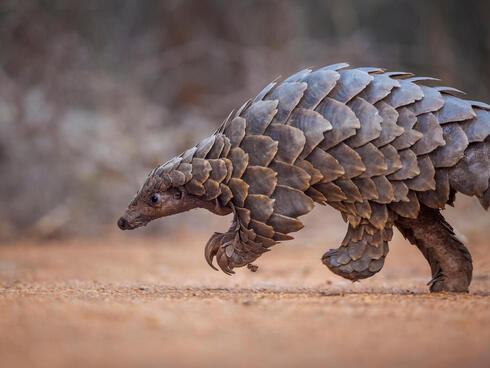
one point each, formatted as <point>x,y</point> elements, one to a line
<point>232,249</point>
<point>362,252</point>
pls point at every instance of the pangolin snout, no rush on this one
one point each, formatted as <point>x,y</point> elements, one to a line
<point>123,223</point>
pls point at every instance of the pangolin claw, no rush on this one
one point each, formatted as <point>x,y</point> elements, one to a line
<point>209,258</point>
<point>439,276</point>
<point>217,247</point>
<point>211,249</point>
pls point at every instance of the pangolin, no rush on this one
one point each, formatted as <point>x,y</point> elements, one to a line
<point>381,147</point>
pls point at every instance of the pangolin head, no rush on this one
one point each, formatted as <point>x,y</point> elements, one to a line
<point>163,194</point>
<point>156,198</point>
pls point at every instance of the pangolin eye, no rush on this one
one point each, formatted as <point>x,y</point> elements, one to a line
<point>178,195</point>
<point>155,198</point>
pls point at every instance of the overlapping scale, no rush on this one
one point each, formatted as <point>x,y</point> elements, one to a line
<point>320,83</point>
<point>453,151</point>
<point>478,128</point>
<point>432,134</point>
<point>343,120</point>
<point>350,84</point>
<point>235,131</point>
<point>259,115</point>
<point>288,94</point>
<point>406,94</point>
<point>454,109</point>
<point>379,88</point>
<point>313,125</point>
<point>389,128</point>
<point>290,142</point>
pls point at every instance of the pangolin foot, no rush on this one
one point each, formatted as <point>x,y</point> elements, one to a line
<point>356,260</point>
<point>221,246</point>
<point>440,283</point>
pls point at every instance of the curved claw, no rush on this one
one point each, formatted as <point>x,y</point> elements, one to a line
<point>214,249</point>
<point>209,258</point>
<point>211,249</point>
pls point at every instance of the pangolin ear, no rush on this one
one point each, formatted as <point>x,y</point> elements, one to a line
<point>185,193</point>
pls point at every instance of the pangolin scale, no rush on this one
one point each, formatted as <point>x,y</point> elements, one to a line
<point>381,147</point>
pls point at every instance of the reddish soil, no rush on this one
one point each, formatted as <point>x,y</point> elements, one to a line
<point>154,302</point>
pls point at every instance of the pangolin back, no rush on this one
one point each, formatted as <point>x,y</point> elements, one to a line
<point>370,143</point>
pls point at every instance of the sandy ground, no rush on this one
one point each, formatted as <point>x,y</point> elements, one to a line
<point>154,302</point>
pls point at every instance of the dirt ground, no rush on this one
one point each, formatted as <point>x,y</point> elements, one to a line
<point>154,302</point>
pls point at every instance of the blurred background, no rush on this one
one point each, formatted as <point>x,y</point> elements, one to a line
<point>93,94</point>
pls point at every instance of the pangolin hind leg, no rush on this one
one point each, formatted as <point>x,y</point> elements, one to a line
<point>362,252</point>
<point>449,260</point>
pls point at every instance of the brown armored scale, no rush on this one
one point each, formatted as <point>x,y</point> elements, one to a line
<point>380,147</point>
